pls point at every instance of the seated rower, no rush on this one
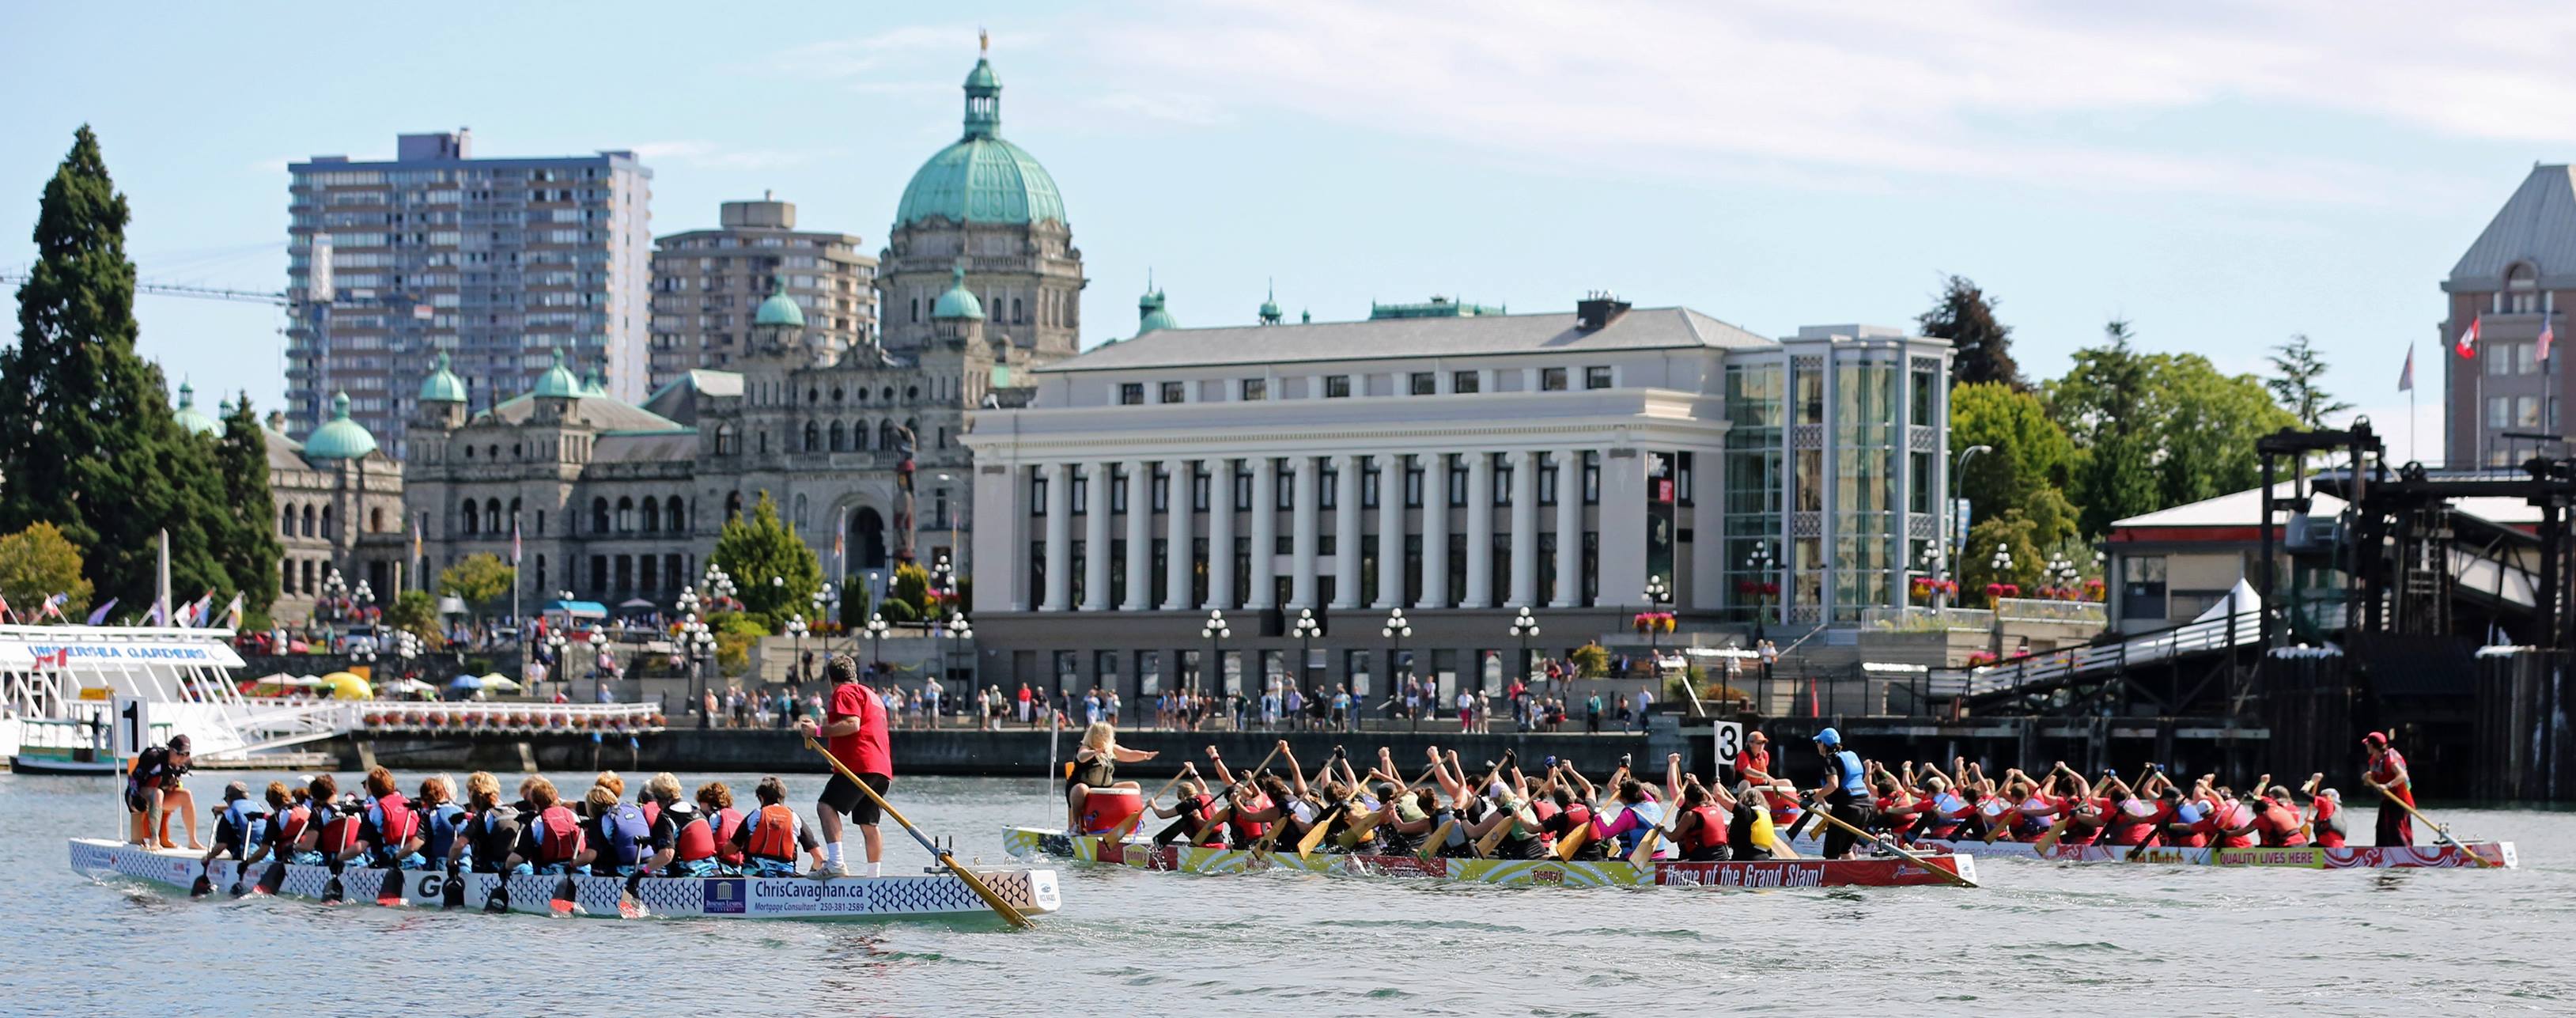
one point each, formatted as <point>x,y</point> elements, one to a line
<point>1192,808</point>
<point>238,826</point>
<point>1095,765</point>
<point>722,821</point>
<point>668,816</point>
<point>386,824</point>
<point>770,837</point>
<point>614,835</point>
<point>1571,814</point>
<point>488,831</point>
<point>1702,830</point>
<point>2277,819</point>
<point>284,826</point>
<point>550,839</point>
<point>153,795</point>
<point>2326,826</point>
<point>1749,832</point>
<point>330,831</point>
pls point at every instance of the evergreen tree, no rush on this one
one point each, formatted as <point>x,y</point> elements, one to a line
<point>776,572</point>
<point>1982,346</point>
<point>87,437</point>
<point>251,556</point>
<point>2101,404</point>
<point>2297,389</point>
<point>481,580</point>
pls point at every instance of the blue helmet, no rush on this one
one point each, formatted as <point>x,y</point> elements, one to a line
<point>1829,737</point>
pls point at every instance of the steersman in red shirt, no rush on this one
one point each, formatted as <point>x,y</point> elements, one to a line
<point>854,727</point>
<point>2387,773</point>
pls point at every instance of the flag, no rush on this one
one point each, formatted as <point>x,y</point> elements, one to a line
<point>59,657</point>
<point>231,615</point>
<point>2548,332</point>
<point>187,616</point>
<point>514,541</point>
<point>2406,378</point>
<point>205,606</point>
<point>100,615</point>
<point>54,605</point>
<point>4,607</point>
<point>840,536</point>
<point>415,543</point>
<point>2467,344</point>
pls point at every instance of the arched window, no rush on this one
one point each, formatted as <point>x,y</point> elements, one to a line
<point>800,513</point>
<point>473,521</point>
<point>733,505</point>
<point>309,517</point>
<point>286,522</point>
<point>327,531</point>
<point>912,392</point>
<point>813,437</point>
<point>599,515</point>
<point>514,517</point>
<point>376,519</point>
<point>724,440</point>
<point>1017,314</point>
<point>286,576</point>
<point>888,394</point>
<point>813,395</point>
<point>885,434</point>
<point>492,451</point>
<point>676,515</point>
<point>836,394</point>
<point>840,436</point>
<point>625,515</point>
<point>652,516</point>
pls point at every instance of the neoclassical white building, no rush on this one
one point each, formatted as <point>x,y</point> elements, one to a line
<point>1457,465</point>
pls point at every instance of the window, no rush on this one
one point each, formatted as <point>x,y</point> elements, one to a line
<point>1131,393</point>
<point>1172,392</point>
<point>1502,474</point>
<point>1412,485</point>
<point>2142,587</point>
<point>1546,480</point>
<point>1337,386</point>
<point>1591,478</point>
<point>1328,486</point>
<point>1162,488</point>
<point>1462,381</point>
<point>1255,390</point>
<point>1081,492</point>
<point>1118,495</point>
<point>1283,483</point>
<point>1551,379</point>
<point>1686,477</point>
<point>1198,489</point>
<point>1037,495</point>
<point>1457,483</point>
<point>1425,383</point>
<point>1370,477</point>
<point>1242,487</point>
<point>1596,377</point>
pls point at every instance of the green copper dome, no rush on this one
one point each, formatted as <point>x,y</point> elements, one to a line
<point>1151,314</point>
<point>193,419</point>
<point>341,438</point>
<point>958,302</point>
<point>558,380</point>
<point>1270,307</point>
<point>442,386</point>
<point>592,384</point>
<point>779,309</point>
<point>981,178</point>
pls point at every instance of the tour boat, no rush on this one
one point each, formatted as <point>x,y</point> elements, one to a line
<point>1141,853</point>
<point>1031,890</point>
<point>2495,854</point>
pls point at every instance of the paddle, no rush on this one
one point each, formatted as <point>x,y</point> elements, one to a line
<point>973,882</point>
<point>2440,833</point>
<point>1889,844</point>
<point>1271,837</point>
<point>332,892</point>
<point>453,894</point>
<point>1225,796</point>
<point>1485,845</point>
<point>275,877</point>
<point>1324,821</point>
<point>1440,835</point>
<point>630,904</point>
<point>389,888</point>
<point>566,899</point>
<point>499,899</point>
<point>205,882</point>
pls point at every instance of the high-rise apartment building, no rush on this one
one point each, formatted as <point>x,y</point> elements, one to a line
<point>707,285</point>
<point>498,262</point>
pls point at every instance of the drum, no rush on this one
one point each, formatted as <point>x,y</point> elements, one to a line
<point>1107,808</point>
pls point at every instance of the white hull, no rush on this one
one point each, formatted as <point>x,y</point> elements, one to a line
<point>2494,854</point>
<point>1032,891</point>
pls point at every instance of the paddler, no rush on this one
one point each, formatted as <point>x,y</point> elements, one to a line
<point>550,837</point>
<point>1845,790</point>
<point>238,826</point>
<point>770,837</point>
<point>672,817</point>
<point>385,824</point>
<point>2326,826</point>
<point>286,820</point>
<point>854,726</point>
<point>490,830</point>
<point>1095,765</point>
<point>2387,773</point>
<point>2277,819</point>
<point>434,840</point>
<point>1193,806</point>
<point>153,795</point>
<point>1702,830</point>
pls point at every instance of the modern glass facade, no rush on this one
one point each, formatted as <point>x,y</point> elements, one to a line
<point>1756,414</point>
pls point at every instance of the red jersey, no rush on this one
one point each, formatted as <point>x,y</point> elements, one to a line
<point>2389,768</point>
<point>863,751</point>
<point>1753,760</point>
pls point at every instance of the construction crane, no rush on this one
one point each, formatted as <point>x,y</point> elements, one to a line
<point>177,290</point>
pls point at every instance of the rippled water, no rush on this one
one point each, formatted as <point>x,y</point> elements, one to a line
<point>2097,938</point>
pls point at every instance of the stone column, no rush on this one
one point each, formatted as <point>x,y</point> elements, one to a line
<point>1480,532</point>
<point>1059,538</point>
<point>1346,532</point>
<point>1305,533</point>
<point>1178,561</point>
<point>1390,532</point>
<point>1095,538</point>
<point>1265,533</point>
<point>1220,534</point>
<point>1435,531</point>
<point>1140,536</point>
<point>1524,529</point>
<point>1623,527</point>
<point>1569,529</point>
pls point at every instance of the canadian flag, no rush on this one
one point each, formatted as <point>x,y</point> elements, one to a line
<point>2468,341</point>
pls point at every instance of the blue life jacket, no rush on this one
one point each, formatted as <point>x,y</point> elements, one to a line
<point>1847,766</point>
<point>626,832</point>
<point>243,823</point>
<point>439,827</point>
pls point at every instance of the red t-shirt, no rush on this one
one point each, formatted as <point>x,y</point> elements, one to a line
<point>863,751</point>
<point>1755,760</point>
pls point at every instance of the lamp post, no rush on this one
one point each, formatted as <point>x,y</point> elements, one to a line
<point>1525,626</point>
<point>407,645</point>
<point>876,629</point>
<point>796,630</point>
<point>2001,564</point>
<point>555,644</point>
<point>1215,629</point>
<point>1657,592</point>
<point>599,680</point>
<point>959,631</point>
<point>1759,564</point>
<point>1395,630</point>
<point>1306,630</point>
<point>1958,473</point>
<point>366,599</point>
<point>827,610</point>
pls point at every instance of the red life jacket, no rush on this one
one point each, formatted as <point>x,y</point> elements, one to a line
<point>2231,816</point>
<point>1711,829</point>
<point>399,821</point>
<point>1249,830</point>
<point>774,835</point>
<point>1577,815</point>
<point>339,834</point>
<point>2280,827</point>
<point>562,836</point>
<point>652,812</point>
<point>290,826</point>
<point>725,822</point>
<point>696,841</point>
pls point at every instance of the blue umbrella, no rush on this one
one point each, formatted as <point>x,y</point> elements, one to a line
<point>464,682</point>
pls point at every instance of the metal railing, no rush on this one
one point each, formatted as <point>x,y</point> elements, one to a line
<point>2040,609</point>
<point>2242,628</point>
<point>1920,619</point>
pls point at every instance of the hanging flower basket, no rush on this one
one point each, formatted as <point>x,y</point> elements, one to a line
<point>1654,622</point>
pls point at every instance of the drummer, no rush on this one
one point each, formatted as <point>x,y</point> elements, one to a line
<point>1095,765</point>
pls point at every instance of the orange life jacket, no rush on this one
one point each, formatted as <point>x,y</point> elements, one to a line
<point>773,835</point>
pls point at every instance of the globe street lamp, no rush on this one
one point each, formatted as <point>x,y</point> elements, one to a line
<point>1306,630</point>
<point>554,645</point>
<point>1658,593</point>
<point>1759,564</point>
<point>827,610</point>
<point>2002,564</point>
<point>366,599</point>
<point>876,630</point>
<point>1215,629</point>
<point>598,645</point>
<point>959,631</point>
<point>1525,626</point>
<point>1396,629</point>
<point>796,630</point>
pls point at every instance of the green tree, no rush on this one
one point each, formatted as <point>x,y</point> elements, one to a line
<point>2031,462</point>
<point>1982,346</point>
<point>2298,387</point>
<point>912,587</point>
<point>778,574</point>
<point>2205,424</point>
<point>251,556</point>
<point>38,563</point>
<point>2012,532</point>
<point>87,437</point>
<point>735,634</point>
<point>2101,403</point>
<point>416,612</point>
<point>854,601</point>
<point>481,580</point>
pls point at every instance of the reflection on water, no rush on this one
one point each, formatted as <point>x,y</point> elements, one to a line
<point>2225,941</point>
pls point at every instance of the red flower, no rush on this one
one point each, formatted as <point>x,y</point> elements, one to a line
<point>1770,588</point>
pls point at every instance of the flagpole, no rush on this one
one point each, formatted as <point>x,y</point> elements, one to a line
<point>163,599</point>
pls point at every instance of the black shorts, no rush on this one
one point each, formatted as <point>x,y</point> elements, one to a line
<point>840,796</point>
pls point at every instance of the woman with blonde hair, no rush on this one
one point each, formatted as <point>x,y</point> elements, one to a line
<point>1095,765</point>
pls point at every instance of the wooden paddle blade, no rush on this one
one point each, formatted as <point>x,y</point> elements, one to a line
<point>2047,843</point>
<point>1780,847</point>
<point>1009,913</point>
<point>1314,835</point>
<point>1572,842</point>
<point>567,897</point>
<point>1438,840</point>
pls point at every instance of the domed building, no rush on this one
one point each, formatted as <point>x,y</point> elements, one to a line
<point>339,504</point>
<point>988,204</point>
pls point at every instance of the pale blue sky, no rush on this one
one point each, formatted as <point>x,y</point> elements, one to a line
<point>2223,176</point>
